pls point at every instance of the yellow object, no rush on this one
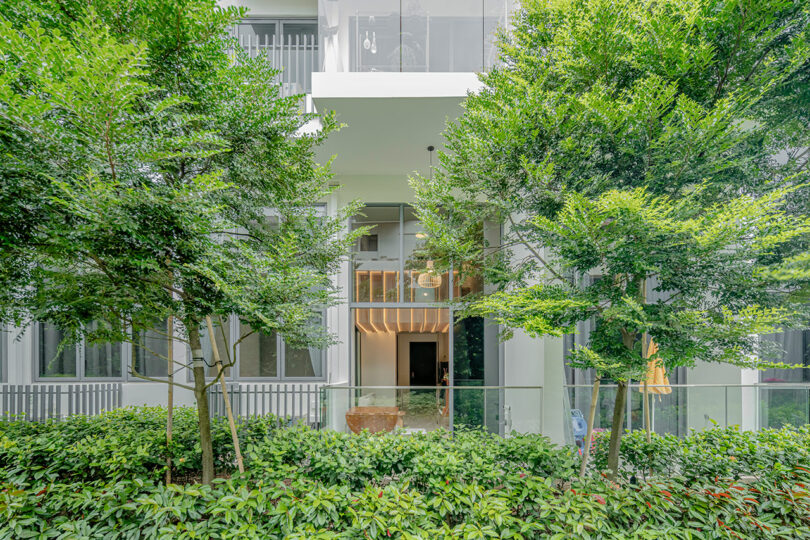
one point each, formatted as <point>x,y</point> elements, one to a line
<point>657,380</point>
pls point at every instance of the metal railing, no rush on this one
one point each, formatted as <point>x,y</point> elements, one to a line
<point>689,407</point>
<point>295,55</point>
<point>498,409</point>
<point>288,402</point>
<point>39,402</point>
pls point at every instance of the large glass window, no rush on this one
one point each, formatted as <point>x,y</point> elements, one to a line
<point>790,403</point>
<point>390,264</point>
<point>77,361</point>
<point>792,348</point>
<point>151,352</point>
<point>258,354</point>
<point>377,255</point>
<point>303,362</point>
<point>418,35</point>
<point>222,338</point>
<point>267,356</point>
<point>445,35</point>
<point>423,283</point>
<point>102,360</point>
<point>55,358</point>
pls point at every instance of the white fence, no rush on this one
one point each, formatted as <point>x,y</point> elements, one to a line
<point>288,402</point>
<point>40,402</point>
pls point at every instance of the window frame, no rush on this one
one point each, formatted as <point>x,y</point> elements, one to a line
<point>80,376</point>
<point>4,331</point>
<point>235,326</point>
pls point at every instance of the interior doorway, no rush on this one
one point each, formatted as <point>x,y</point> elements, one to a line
<point>423,359</point>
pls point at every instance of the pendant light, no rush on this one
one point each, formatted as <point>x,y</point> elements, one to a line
<point>429,279</point>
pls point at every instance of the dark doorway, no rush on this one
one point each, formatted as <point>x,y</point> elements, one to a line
<point>423,363</point>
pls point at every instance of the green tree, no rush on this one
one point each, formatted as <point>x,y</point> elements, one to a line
<point>599,111</point>
<point>175,181</point>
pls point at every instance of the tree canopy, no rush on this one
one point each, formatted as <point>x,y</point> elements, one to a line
<point>627,147</point>
<point>165,175</point>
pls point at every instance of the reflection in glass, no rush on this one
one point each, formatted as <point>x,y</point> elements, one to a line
<point>54,362</point>
<point>376,255</point>
<point>426,35</point>
<point>103,359</point>
<point>258,354</point>
<point>422,282</point>
<point>151,352</point>
<point>788,406</point>
<point>442,36</point>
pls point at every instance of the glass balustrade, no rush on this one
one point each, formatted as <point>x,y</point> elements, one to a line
<point>412,35</point>
<point>679,409</point>
<point>497,409</point>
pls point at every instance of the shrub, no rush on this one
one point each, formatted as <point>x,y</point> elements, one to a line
<point>705,455</point>
<point>101,478</point>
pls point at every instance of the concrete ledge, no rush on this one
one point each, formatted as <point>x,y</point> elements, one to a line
<point>393,85</point>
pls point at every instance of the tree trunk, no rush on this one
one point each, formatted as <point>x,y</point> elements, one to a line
<point>170,399</point>
<point>202,403</point>
<point>586,452</point>
<point>221,376</point>
<point>616,430</point>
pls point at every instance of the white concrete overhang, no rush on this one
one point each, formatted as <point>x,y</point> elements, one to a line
<point>390,118</point>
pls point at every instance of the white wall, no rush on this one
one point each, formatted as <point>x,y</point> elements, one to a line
<point>276,8</point>
<point>378,362</point>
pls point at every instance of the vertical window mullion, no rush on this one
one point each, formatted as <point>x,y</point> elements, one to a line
<point>81,347</point>
<point>280,371</point>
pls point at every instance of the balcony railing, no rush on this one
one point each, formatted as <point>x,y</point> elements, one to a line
<point>292,51</point>
<point>689,407</point>
<point>498,409</point>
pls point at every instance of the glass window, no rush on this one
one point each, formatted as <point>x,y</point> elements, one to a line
<point>442,35</point>
<point>376,255</point>
<point>793,348</point>
<point>55,361</point>
<point>258,354</point>
<point>222,337</point>
<point>151,352</point>
<point>496,15</point>
<point>417,35</point>
<point>422,282</point>
<point>303,362</point>
<point>3,353</point>
<point>103,359</point>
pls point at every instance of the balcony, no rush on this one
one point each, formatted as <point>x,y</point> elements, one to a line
<point>410,36</point>
<point>290,45</point>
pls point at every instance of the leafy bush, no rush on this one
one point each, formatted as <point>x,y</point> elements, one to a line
<point>101,478</point>
<point>717,452</point>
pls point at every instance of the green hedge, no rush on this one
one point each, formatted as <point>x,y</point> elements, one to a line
<point>101,478</point>
<point>718,452</point>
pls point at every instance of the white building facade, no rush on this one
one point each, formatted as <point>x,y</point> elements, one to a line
<point>395,72</point>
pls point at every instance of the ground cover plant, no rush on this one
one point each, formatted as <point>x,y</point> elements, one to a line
<point>102,478</point>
